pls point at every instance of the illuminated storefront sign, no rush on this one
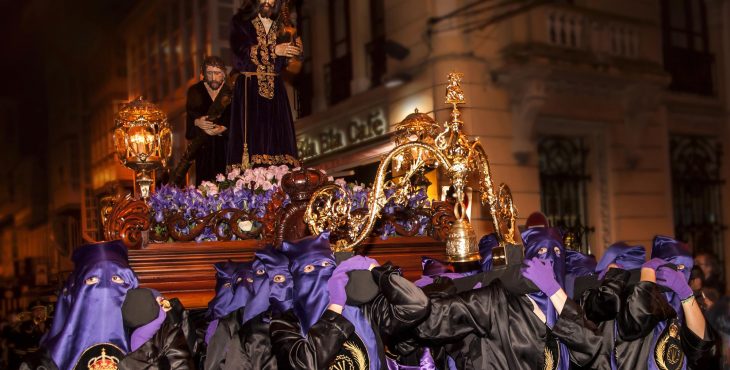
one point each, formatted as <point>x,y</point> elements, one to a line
<point>356,129</point>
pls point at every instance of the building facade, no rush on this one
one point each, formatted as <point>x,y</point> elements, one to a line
<point>608,116</point>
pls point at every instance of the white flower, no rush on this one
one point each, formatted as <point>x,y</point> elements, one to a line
<point>245,225</point>
<point>220,178</point>
<point>356,188</point>
<point>341,182</point>
<point>208,188</point>
<point>266,185</point>
<point>234,173</point>
<point>239,185</point>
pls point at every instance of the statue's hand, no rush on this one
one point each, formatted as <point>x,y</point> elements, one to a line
<point>287,50</point>
<point>203,123</point>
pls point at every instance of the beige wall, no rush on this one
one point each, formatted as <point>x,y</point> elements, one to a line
<point>617,102</point>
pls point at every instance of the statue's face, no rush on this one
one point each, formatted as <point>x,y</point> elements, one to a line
<point>214,77</point>
<point>266,8</point>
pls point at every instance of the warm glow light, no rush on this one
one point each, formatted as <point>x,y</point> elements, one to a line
<point>403,107</point>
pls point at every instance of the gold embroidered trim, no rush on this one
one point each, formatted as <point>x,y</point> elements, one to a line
<point>274,159</point>
<point>263,56</point>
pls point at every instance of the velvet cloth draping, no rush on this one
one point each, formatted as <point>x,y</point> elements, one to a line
<point>270,132</point>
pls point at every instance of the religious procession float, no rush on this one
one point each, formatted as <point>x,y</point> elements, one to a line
<point>175,234</point>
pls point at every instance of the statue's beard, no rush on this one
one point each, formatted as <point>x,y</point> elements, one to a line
<point>265,11</point>
<point>214,84</point>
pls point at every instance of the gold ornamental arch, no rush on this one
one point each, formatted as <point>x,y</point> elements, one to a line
<point>420,145</point>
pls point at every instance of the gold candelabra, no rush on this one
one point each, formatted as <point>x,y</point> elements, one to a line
<point>416,149</point>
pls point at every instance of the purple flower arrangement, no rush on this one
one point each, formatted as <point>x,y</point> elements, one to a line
<point>405,215</point>
<point>249,190</point>
<point>252,189</point>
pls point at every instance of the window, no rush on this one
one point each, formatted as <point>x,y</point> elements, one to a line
<point>338,73</point>
<point>697,192</point>
<point>686,46</point>
<point>563,182</point>
<point>376,47</point>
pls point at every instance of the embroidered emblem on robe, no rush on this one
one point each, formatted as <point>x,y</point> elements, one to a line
<point>668,353</point>
<point>103,356</point>
<point>352,356</point>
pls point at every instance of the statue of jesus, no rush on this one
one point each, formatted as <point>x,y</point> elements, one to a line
<point>261,132</point>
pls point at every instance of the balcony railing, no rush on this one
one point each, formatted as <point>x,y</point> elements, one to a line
<point>577,29</point>
<point>572,29</point>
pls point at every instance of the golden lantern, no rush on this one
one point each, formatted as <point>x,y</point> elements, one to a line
<point>143,141</point>
<point>419,143</point>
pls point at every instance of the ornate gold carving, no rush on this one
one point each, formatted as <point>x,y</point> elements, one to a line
<point>274,160</point>
<point>416,149</point>
<point>126,221</point>
<point>263,56</point>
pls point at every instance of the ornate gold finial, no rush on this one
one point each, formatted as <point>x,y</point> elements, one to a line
<point>454,93</point>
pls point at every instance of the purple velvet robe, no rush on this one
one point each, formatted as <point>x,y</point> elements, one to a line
<point>270,127</point>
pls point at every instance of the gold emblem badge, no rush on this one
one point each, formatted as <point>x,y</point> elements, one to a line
<point>668,353</point>
<point>352,356</point>
<point>550,356</point>
<point>103,362</point>
<point>102,356</point>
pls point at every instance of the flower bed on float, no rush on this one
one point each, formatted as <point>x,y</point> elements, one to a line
<point>240,204</point>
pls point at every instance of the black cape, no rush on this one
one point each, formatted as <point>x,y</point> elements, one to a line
<point>491,328</point>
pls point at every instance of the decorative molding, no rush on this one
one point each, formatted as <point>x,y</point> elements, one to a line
<point>528,93</point>
<point>640,102</point>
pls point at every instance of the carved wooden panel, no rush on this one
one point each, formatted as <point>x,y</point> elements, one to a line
<point>185,270</point>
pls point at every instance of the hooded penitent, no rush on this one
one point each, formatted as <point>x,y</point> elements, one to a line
<point>679,254</point>
<point>93,328</point>
<point>577,264</point>
<point>225,280</point>
<point>546,244</point>
<point>627,257</point>
<point>232,291</point>
<point>271,281</point>
<point>312,264</point>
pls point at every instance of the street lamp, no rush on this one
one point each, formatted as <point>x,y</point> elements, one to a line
<point>143,141</point>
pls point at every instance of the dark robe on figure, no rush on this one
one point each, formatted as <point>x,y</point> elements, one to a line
<point>602,305</point>
<point>270,127</point>
<point>397,307</point>
<point>645,307</point>
<point>491,328</point>
<point>210,159</point>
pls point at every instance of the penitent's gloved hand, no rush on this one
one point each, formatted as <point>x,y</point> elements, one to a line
<point>336,287</point>
<point>355,263</point>
<point>145,332</point>
<point>654,263</point>
<point>542,275</point>
<point>675,281</point>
